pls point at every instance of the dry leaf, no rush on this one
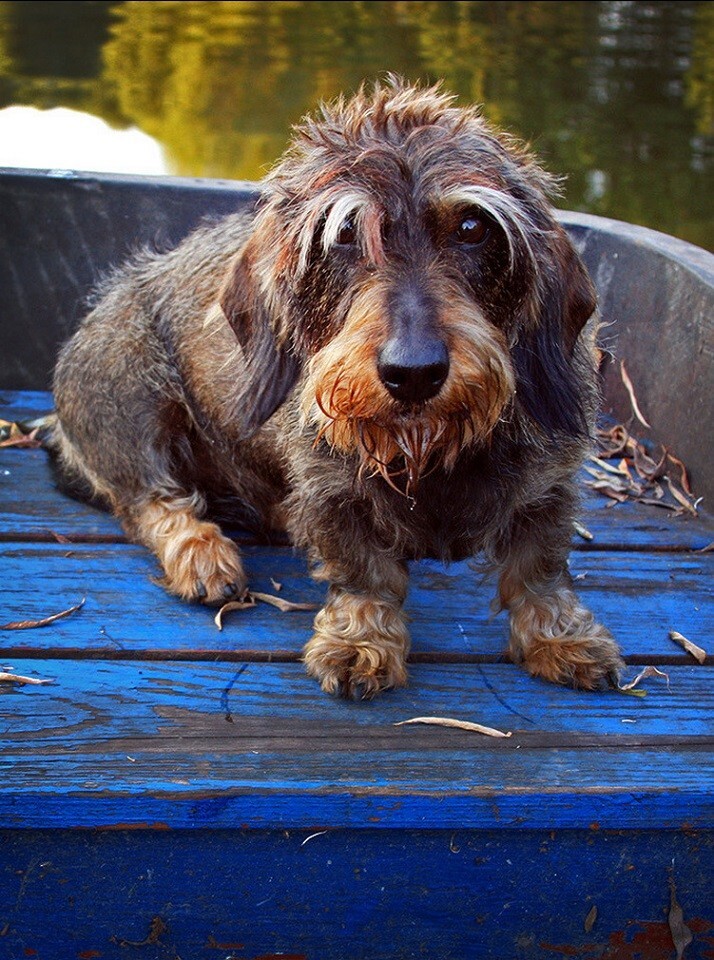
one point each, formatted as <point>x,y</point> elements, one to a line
<point>286,606</point>
<point>30,624</point>
<point>631,393</point>
<point>683,477</point>
<point>233,605</point>
<point>320,833</point>
<point>20,434</point>
<point>614,441</point>
<point>20,439</point>
<point>59,537</point>
<point>697,652</point>
<point>18,678</point>
<point>582,531</point>
<point>589,922</point>
<point>461,724</point>
<point>605,487</point>
<point>658,503</point>
<point>680,497</point>
<point>681,934</point>
<point>608,467</point>
<point>615,481</point>
<point>620,483</point>
<point>643,675</point>
<point>647,468</point>
<point>624,468</point>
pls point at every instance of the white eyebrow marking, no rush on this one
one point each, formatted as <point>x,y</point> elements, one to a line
<point>349,205</point>
<point>506,211</point>
<point>339,205</point>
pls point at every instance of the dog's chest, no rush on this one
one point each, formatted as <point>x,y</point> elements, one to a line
<point>452,515</point>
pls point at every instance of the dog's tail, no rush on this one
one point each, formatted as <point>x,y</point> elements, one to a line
<point>68,479</point>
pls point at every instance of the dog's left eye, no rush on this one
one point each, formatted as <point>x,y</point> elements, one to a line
<point>472,230</point>
<point>347,234</point>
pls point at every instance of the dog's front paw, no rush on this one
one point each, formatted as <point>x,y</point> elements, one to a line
<point>558,639</point>
<point>359,647</point>
<point>204,566</point>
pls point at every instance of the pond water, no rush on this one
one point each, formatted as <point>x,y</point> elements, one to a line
<point>618,96</point>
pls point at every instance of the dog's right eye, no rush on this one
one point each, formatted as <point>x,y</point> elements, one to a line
<point>472,230</point>
<point>347,234</point>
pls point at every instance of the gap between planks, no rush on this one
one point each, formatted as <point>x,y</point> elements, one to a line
<point>246,540</point>
<point>292,656</point>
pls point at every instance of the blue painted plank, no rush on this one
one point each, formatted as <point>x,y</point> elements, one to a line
<point>641,597</point>
<point>24,404</point>
<point>214,745</point>
<point>362,895</point>
<point>157,698</point>
<point>30,506</point>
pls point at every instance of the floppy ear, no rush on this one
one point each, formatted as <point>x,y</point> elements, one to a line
<point>579,297</point>
<point>270,369</point>
<point>550,381</point>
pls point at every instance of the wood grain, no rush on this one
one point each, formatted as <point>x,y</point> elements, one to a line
<point>641,597</point>
<point>116,742</point>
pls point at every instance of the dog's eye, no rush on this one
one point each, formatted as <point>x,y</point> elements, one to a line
<point>472,230</point>
<point>347,234</point>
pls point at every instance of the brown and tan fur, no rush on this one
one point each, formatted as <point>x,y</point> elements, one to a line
<point>392,357</point>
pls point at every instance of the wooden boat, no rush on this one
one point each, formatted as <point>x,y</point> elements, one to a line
<point>180,791</point>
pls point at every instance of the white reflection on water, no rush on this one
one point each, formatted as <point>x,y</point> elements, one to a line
<point>71,140</point>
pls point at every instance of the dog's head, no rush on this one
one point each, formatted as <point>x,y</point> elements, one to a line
<point>407,256</point>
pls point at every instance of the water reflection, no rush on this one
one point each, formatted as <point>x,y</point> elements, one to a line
<point>617,95</point>
<point>59,138</point>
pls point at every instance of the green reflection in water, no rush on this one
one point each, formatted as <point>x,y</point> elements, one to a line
<point>619,96</point>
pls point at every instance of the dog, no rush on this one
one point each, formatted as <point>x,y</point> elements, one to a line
<point>391,358</point>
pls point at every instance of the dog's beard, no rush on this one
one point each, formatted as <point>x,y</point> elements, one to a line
<point>344,400</point>
<point>403,450</point>
<point>402,445</point>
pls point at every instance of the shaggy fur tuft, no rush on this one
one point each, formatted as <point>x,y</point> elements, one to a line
<point>392,358</point>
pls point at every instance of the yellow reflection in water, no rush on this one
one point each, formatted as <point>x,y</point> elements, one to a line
<point>617,96</point>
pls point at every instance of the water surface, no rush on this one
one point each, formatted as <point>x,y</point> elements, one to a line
<point>617,96</point>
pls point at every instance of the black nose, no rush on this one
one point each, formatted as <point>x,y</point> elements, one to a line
<point>416,372</point>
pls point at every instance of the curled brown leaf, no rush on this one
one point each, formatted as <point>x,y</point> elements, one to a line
<point>631,393</point>
<point>697,652</point>
<point>643,675</point>
<point>228,607</point>
<point>31,624</point>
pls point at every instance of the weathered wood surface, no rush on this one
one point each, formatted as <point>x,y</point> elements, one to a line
<point>304,894</point>
<point>35,512</point>
<point>253,745</point>
<point>640,596</point>
<point>173,771</point>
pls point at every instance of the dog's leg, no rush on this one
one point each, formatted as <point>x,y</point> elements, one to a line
<point>360,641</point>
<point>552,633</point>
<point>199,562</point>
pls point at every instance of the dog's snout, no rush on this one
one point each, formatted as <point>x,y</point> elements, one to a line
<point>413,375</point>
<point>413,364</point>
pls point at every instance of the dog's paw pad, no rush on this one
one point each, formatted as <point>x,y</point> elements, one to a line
<point>586,662</point>
<point>558,639</point>
<point>356,666</point>
<point>207,568</point>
